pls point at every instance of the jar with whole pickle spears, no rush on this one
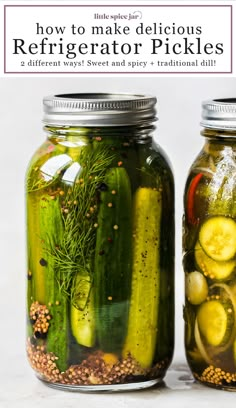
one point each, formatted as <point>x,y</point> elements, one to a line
<point>100,235</point>
<point>209,244</point>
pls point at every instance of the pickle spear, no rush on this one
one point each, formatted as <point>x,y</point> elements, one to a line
<point>143,315</point>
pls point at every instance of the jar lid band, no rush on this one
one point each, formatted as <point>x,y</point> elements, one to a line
<point>219,114</point>
<point>99,109</point>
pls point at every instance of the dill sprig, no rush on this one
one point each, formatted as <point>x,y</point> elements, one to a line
<point>74,256</point>
<point>38,183</point>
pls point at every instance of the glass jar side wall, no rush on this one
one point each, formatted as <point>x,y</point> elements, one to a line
<point>100,259</point>
<point>209,245</point>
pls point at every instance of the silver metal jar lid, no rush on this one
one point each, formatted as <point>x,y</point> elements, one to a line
<point>219,114</point>
<point>98,109</point>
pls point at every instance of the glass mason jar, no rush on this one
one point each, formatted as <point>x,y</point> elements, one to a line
<point>100,228</point>
<point>209,244</point>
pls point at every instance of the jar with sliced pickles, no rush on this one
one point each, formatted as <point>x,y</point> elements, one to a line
<point>209,244</point>
<point>100,236</point>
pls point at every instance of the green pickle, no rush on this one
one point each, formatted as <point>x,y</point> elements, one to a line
<point>100,236</point>
<point>209,252</point>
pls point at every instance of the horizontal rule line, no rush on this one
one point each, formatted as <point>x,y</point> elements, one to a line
<point>120,5</point>
<point>118,72</point>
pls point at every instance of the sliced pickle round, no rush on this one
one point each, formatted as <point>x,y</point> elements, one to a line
<point>210,268</point>
<point>214,322</point>
<point>217,237</point>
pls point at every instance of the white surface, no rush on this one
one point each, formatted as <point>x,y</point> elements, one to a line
<point>19,388</point>
<point>21,133</point>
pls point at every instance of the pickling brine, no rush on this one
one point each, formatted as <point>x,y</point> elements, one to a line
<point>209,244</point>
<point>100,233</point>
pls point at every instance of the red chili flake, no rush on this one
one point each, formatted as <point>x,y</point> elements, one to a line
<point>120,163</point>
<point>50,149</point>
<point>190,199</point>
<point>109,239</point>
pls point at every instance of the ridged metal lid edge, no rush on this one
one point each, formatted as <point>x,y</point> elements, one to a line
<point>219,114</point>
<point>99,109</point>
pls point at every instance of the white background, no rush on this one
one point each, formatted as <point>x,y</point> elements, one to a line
<point>179,109</point>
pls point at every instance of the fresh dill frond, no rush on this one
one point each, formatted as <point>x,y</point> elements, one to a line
<point>38,183</point>
<point>74,256</point>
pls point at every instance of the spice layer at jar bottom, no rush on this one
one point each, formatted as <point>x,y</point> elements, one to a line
<point>100,260</point>
<point>209,262</point>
